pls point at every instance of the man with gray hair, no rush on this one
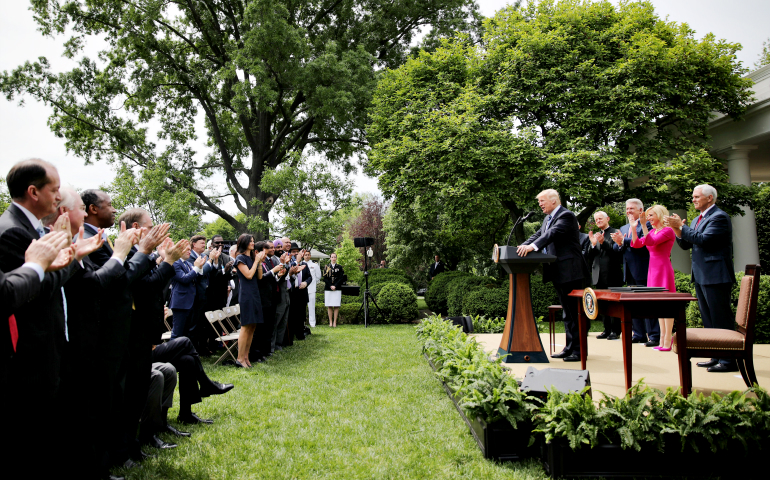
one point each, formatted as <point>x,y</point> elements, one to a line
<point>606,268</point>
<point>559,236</point>
<point>636,262</point>
<point>710,236</point>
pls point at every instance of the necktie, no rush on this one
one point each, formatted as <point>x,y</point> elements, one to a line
<point>547,224</point>
<point>109,242</point>
<point>14,330</point>
<point>41,232</point>
<point>700,217</point>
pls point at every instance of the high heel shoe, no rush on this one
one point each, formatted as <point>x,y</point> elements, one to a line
<point>663,349</point>
<point>240,365</point>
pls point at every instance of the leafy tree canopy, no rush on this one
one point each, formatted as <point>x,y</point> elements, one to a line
<point>764,55</point>
<point>601,102</point>
<point>269,79</point>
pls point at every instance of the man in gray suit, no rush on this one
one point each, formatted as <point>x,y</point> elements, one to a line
<point>710,236</point>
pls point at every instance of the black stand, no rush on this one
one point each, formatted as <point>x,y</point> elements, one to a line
<point>367,295</point>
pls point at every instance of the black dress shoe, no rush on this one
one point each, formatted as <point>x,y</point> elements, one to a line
<point>603,335</point>
<point>216,388</point>
<point>562,354</point>
<point>131,464</point>
<point>193,419</point>
<point>156,442</point>
<point>613,336</point>
<point>708,364</point>
<point>573,357</point>
<point>638,340</point>
<point>652,343</point>
<point>178,433</point>
<point>724,367</point>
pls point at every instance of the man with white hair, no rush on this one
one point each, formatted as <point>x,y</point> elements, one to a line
<point>710,236</point>
<point>559,236</point>
<point>606,268</point>
<point>636,263</point>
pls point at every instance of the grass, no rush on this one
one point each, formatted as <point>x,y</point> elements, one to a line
<point>347,403</point>
<point>421,305</point>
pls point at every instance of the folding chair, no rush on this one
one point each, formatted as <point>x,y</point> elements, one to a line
<point>230,314</point>
<point>167,336</point>
<point>215,320</point>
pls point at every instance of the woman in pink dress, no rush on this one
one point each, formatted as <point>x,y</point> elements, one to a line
<point>659,241</point>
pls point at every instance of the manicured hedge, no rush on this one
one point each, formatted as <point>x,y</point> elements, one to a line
<point>436,296</point>
<point>543,296</point>
<point>459,288</point>
<point>376,285</point>
<point>347,313</point>
<point>398,303</point>
<point>492,302</point>
<point>382,275</point>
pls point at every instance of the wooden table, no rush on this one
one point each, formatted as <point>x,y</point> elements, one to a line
<point>625,306</point>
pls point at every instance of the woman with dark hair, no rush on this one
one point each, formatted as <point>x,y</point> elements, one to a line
<point>334,275</point>
<point>248,266</point>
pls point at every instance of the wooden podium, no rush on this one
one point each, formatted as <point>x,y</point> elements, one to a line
<point>521,339</point>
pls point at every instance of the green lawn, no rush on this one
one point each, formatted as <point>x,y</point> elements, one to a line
<point>421,305</point>
<point>346,403</point>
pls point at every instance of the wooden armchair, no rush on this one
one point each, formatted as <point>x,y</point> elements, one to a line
<point>721,343</point>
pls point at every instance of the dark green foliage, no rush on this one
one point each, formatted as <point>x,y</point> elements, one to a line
<point>492,302</point>
<point>543,295</point>
<point>482,324</point>
<point>762,212</point>
<point>459,288</point>
<point>376,282</point>
<point>398,303</point>
<point>347,313</point>
<point>436,296</point>
<point>346,299</point>
<point>380,274</point>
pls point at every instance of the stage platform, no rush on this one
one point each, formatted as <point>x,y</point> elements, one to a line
<point>659,369</point>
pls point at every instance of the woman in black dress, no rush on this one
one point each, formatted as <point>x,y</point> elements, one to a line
<point>334,275</point>
<point>248,265</point>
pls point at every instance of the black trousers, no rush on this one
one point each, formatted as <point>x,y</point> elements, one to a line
<point>570,313</point>
<point>193,381</point>
<point>714,303</point>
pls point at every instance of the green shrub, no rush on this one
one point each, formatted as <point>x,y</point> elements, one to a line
<point>376,285</point>
<point>482,324</point>
<point>436,296</point>
<point>459,287</point>
<point>398,303</point>
<point>392,274</point>
<point>543,295</point>
<point>347,313</point>
<point>320,298</point>
<point>492,302</point>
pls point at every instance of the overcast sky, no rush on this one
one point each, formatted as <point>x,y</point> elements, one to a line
<point>24,132</point>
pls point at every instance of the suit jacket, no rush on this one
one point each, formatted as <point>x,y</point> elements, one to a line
<point>216,292</point>
<point>712,248</point>
<point>636,261</point>
<point>100,256</point>
<point>301,294</point>
<point>34,369</point>
<point>201,282</point>
<point>606,270</point>
<point>147,318</point>
<point>16,289</point>
<point>585,245</point>
<point>436,269</point>
<point>183,285</point>
<point>562,240</point>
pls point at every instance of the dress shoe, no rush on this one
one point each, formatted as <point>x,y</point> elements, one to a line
<point>156,442</point>
<point>724,367</point>
<point>140,456</point>
<point>216,388</point>
<point>562,354</point>
<point>573,357</point>
<point>178,433</point>
<point>638,340</point>
<point>131,464</point>
<point>603,335</point>
<point>193,419</point>
<point>613,336</point>
<point>652,343</point>
<point>708,364</point>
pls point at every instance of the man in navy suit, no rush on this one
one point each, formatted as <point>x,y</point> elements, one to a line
<point>559,236</point>
<point>197,329</point>
<point>710,236</point>
<point>183,290</point>
<point>636,263</point>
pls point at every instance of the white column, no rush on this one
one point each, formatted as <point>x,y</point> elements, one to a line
<point>680,259</point>
<point>745,246</point>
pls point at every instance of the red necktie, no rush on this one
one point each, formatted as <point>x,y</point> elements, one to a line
<point>14,331</point>
<point>699,219</point>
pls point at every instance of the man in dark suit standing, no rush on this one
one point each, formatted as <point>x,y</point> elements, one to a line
<point>183,291</point>
<point>606,269</point>
<point>197,330</point>
<point>299,295</point>
<point>585,244</point>
<point>636,263</point>
<point>710,236</point>
<point>559,236</point>
<point>436,268</point>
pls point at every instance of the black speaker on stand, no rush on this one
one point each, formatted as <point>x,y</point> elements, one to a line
<point>363,242</point>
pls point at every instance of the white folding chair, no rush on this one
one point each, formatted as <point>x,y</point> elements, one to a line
<point>167,336</point>
<point>230,314</point>
<point>228,339</point>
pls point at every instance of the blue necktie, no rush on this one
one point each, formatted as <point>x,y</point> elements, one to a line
<point>547,224</point>
<point>41,232</point>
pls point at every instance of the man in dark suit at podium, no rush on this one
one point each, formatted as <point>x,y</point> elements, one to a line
<point>559,236</point>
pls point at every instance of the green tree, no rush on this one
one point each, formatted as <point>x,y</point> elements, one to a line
<point>270,79</point>
<point>5,196</point>
<point>600,102</point>
<point>149,189</point>
<point>764,55</point>
<point>221,227</point>
<point>350,258</point>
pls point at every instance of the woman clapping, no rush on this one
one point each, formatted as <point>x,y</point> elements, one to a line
<point>248,265</point>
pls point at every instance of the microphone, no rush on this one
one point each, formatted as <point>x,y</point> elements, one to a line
<point>516,224</point>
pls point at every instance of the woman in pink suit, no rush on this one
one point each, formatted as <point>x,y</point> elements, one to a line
<point>659,242</point>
